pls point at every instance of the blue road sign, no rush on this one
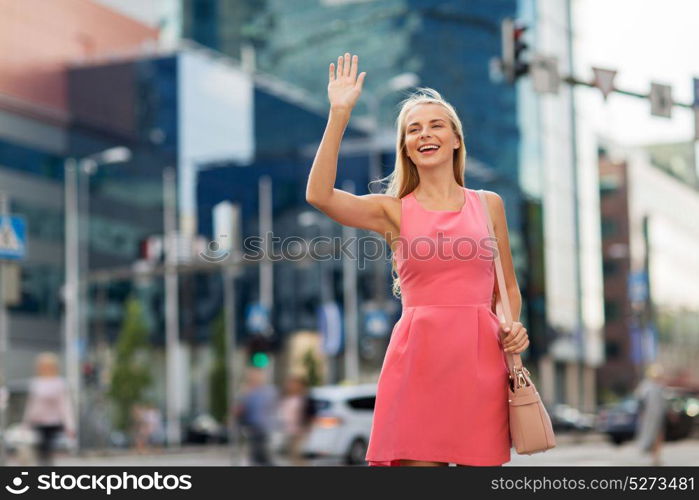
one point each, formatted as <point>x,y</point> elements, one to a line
<point>330,326</point>
<point>13,237</point>
<point>638,286</point>
<point>376,323</point>
<point>257,318</point>
<point>636,342</point>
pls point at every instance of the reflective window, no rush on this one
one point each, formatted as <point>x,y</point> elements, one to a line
<point>42,223</point>
<point>362,403</point>
<point>39,294</point>
<point>30,160</point>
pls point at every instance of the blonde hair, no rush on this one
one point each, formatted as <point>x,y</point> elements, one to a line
<point>49,360</point>
<point>404,178</point>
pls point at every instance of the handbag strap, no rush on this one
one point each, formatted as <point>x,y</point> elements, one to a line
<point>513,359</point>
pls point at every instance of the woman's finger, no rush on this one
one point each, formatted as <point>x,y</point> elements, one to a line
<point>523,348</point>
<point>347,64</point>
<point>509,332</point>
<point>353,67</point>
<point>340,61</point>
<point>360,80</point>
<point>519,342</point>
<point>519,345</point>
<point>516,336</point>
<point>512,343</point>
<point>332,72</point>
<point>519,336</point>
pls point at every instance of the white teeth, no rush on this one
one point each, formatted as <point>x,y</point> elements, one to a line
<point>425,148</point>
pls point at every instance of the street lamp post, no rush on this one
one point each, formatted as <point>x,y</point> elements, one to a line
<point>75,254</point>
<point>349,289</point>
<point>172,311</point>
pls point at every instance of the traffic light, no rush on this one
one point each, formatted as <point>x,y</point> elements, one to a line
<point>259,347</point>
<point>513,45</point>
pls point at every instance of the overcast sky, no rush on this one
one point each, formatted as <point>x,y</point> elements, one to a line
<point>644,40</point>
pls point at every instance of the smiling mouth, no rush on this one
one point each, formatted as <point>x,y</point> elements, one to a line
<point>429,151</point>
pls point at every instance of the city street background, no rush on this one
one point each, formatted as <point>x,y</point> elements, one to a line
<point>163,276</point>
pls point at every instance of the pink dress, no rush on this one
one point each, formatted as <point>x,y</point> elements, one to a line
<point>442,392</point>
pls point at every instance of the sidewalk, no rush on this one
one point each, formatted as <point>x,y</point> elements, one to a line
<point>571,450</point>
<point>214,454</point>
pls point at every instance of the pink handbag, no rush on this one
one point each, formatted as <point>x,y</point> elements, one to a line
<point>530,424</point>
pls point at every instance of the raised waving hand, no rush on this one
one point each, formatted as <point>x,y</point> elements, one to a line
<point>365,211</point>
<point>344,86</point>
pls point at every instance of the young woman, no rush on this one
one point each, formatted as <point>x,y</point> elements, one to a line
<point>48,409</point>
<point>442,391</point>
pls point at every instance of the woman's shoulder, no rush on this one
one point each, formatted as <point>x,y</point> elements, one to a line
<point>495,201</point>
<point>491,196</point>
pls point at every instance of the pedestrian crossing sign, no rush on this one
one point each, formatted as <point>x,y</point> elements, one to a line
<point>12,237</point>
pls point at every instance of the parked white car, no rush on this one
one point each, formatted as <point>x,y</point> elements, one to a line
<point>342,423</point>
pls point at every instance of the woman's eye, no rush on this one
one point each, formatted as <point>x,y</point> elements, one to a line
<point>415,130</point>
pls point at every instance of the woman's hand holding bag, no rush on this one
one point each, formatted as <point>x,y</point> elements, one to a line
<point>530,425</point>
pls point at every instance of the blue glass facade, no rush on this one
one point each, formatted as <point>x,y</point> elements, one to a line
<point>132,104</point>
<point>31,177</point>
<point>30,160</point>
<point>282,130</point>
<point>139,111</point>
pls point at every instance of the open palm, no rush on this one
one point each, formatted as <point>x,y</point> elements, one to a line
<point>344,87</point>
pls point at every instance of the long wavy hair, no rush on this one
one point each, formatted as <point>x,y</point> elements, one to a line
<point>405,178</point>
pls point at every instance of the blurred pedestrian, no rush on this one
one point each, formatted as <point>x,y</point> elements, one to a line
<point>155,424</point>
<point>650,432</point>
<point>146,419</point>
<point>255,413</point>
<point>48,409</point>
<point>293,414</point>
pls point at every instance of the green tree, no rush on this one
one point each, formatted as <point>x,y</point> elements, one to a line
<point>218,377</point>
<point>310,363</point>
<point>131,375</point>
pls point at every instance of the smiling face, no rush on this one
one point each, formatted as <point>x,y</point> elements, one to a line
<point>429,124</point>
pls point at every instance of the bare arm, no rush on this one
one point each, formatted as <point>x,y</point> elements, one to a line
<point>497,210</point>
<point>514,337</point>
<point>367,211</point>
